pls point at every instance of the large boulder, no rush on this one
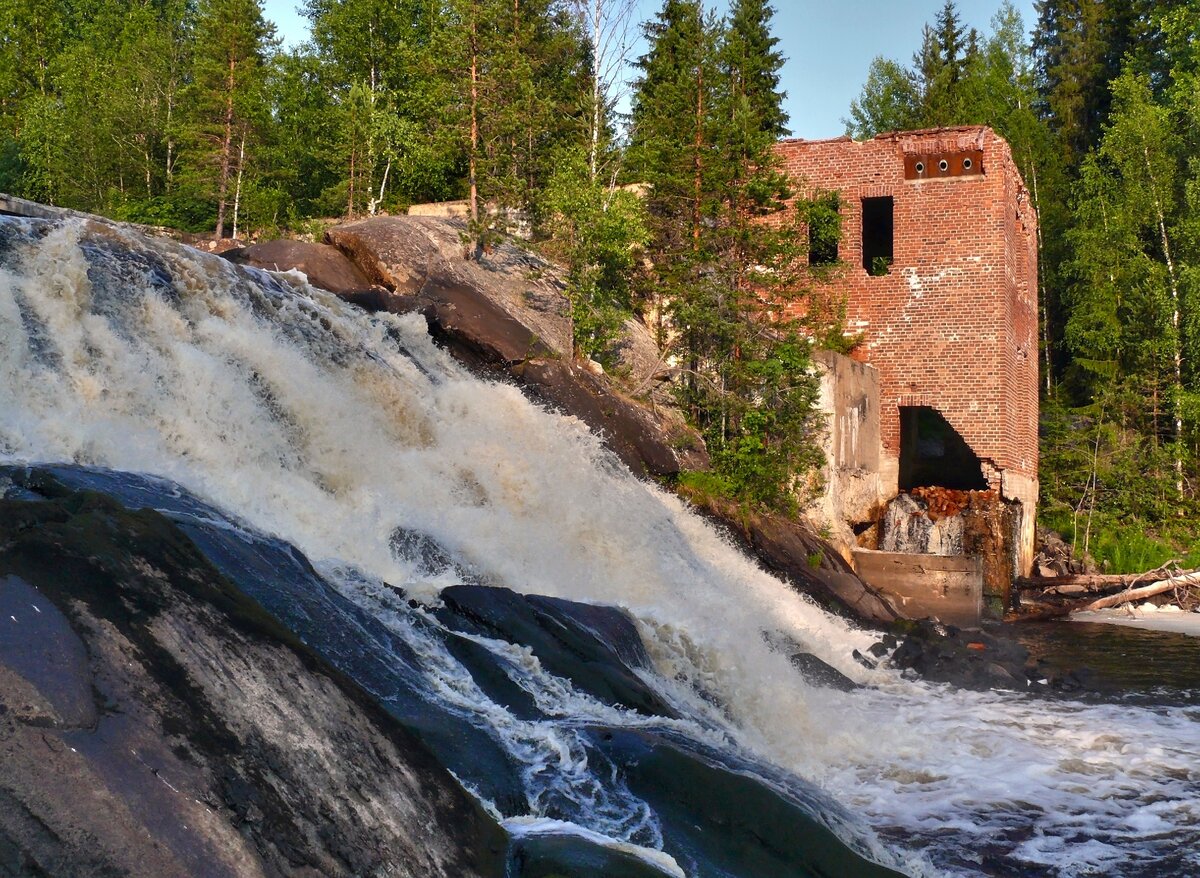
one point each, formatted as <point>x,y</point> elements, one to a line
<point>154,720</point>
<point>425,257</point>
<point>325,266</point>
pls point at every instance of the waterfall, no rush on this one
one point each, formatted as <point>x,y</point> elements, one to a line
<point>335,430</point>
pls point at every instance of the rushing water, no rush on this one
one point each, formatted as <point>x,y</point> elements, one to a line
<point>310,420</point>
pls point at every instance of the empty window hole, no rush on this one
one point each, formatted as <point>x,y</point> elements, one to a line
<point>877,233</point>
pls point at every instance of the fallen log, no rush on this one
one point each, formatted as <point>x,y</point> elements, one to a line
<point>1183,580</point>
<point>1090,581</point>
<point>1147,591</point>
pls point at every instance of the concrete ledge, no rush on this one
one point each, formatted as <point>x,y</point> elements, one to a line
<point>11,205</point>
<point>949,587</point>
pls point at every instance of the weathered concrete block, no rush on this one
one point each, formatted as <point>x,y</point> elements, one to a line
<point>949,587</point>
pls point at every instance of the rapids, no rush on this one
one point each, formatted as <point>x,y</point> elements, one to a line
<point>341,433</point>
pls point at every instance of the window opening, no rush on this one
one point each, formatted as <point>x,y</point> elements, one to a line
<point>824,229</point>
<point>877,234</point>
<point>932,453</point>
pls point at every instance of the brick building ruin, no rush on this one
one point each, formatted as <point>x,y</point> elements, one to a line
<point>937,267</point>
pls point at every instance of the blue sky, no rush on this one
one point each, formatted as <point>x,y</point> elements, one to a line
<point>828,43</point>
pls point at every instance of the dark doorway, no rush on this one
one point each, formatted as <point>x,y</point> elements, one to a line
<point>933,453</point>
<point>877,233</point>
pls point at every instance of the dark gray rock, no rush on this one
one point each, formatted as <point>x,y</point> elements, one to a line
<point>818,673</point>
<point>719,821</point>
<point>596,648</point>
<point>154,720</point>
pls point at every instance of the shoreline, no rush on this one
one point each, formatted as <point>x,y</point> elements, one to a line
<point>1146,617</point>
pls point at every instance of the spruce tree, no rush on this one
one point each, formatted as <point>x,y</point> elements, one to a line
<point>752,63</point>
<point>707,112</point>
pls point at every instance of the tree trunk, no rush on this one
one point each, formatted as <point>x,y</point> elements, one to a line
<point>473,153</point>
<point>1176,341</point>
<point>226,151</point>
<point>697,161</point>
<point>594,147</point>
<point>237,192</point>
<point>1146,591</point>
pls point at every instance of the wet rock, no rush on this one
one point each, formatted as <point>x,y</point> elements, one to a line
<point>215,743</point>
<point>596,648</point>
<point>818,673</point>
<point>557,856</point>
<point>979,660</point>
<point>324,265</point>
<point>283,583</point>
<point>718,821</point>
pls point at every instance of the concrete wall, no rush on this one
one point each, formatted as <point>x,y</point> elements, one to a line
<point>852,487</point>
<point>441,209</point>
<point>949,587</point>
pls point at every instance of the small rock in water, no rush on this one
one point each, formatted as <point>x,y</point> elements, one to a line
<point>818,673</point>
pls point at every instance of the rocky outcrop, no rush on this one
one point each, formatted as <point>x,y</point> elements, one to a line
<point>788,548</point>
<point>182,696</point>
<point>976,659</point>
<point>325,266</point>
<point>155,721</point>
<point>506,312</point>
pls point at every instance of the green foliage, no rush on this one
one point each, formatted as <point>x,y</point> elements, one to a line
<point>889,101</point>
<point>183,212</point>
<point>764,447</point>
<point>706,113</point>
<point>597,231</point>
<point>821,218</point>
<point>123,108</point>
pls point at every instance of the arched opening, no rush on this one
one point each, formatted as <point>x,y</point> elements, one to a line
<point>932,453</point>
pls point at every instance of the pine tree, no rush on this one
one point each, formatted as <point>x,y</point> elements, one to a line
<point>226,95</point>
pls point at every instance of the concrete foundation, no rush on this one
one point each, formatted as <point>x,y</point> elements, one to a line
<point>949,587</point>
<point>852,487</point>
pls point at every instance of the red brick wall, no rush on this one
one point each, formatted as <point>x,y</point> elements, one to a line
<point>954,323</point>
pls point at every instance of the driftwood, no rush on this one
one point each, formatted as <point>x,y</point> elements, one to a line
<point>1184,580</point>
<point>1088,581</point>
<point>1169,583</point>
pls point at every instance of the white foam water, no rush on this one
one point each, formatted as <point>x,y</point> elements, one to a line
<point>331,429</point>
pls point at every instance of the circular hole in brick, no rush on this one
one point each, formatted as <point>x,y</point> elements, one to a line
<point>968,164</point>
<point>943,165</point>
<point>920,167</point>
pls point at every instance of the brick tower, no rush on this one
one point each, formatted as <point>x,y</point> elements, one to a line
<point>938,271</point>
